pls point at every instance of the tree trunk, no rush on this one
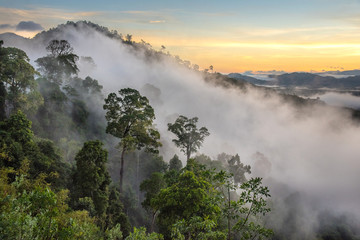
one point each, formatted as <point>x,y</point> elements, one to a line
<point>122,169</point>
<point>137,178</point>
<point>153,222</point>
<point>188,153</point>
<point>228,217</point>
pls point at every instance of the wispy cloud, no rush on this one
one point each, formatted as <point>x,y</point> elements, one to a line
<point>29,26</point>
<point>23,26</point>
<point>13,15</point>
<point>156,21</point>
<point>6,26</point>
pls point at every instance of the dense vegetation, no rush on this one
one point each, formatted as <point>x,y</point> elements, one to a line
<point>60,159</point>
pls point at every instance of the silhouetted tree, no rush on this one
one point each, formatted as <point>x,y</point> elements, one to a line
<point>189,138</point>
<point>60,63</point>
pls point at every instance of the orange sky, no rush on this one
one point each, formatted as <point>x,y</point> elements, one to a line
<point>233,36</point>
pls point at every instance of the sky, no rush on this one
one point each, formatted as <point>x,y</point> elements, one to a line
<point>231,35</point>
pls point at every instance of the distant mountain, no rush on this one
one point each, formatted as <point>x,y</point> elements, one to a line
<point>310,80</point>
<point>355,72</point>
<point>249,79</point>
<point>11,39</point>
<point>305,80</point>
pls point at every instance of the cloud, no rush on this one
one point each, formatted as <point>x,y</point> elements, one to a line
<point>28,26</point>
<point>341,100</point>
<point>49,15</point>
<point>156,21</point>
<point>5,26</point>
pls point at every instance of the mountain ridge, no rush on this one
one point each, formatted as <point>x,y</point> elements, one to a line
<point>304,79</point>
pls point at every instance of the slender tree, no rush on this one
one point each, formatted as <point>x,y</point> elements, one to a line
<point>130,118</point>
<point>91,178</point>
<point>189,138</point>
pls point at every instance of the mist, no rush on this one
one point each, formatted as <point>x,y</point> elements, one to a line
<point>340,99</point>
<point>314,154</point>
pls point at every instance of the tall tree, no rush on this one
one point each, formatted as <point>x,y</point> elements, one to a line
<point>189,138</point>
<point>91,178</point>
<point>130,118</point>
<point>60,63</point>
<point>17,75</point>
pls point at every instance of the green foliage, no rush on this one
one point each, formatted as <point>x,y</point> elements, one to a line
<point>2,101</point>
<point>191,195</point>
<point>69,149</point>
<point>151,163</point>
<point>152,188</point>
<point>17,75</point>
<point>187,202</point>
<point>91,178</point>
<point>92,86</point>
<point>130,118</point>
<point>31,210</point>
<point>209,163</point>
<point>18,143</point>
<point>115,214</point>
<point>70,112</point>
<point>238,169</point>
<point>196,228</point>
<point>196,202</point>
<point>60,63</point>
<point>18,128</point>
<point>114,233</point>
<point>140,234</point>
<point>175,163</point>
<point>189,138</point>
<point>48,160</point>
<point>52,119</point>
<point>251,204</point>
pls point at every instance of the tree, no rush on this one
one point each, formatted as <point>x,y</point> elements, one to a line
<point>189,196</point>
<point>175,163</point>
<point>60,63</point>
<point>251,204</point>
<point>197,228</point>
<point>17,76</point>
<point>152,187</point>
<point>91,178</point>
<point>115,213</point>
<point>189,138</point>
<point>140,234</point>
<point>31,210</point>
<point>211,68</point>
<point>238,169</point>
<point>130,118</point>
<point>59,48</point>
<point>128,38</point>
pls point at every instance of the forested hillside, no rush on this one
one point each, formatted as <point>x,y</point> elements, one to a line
<point>81,159</point>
